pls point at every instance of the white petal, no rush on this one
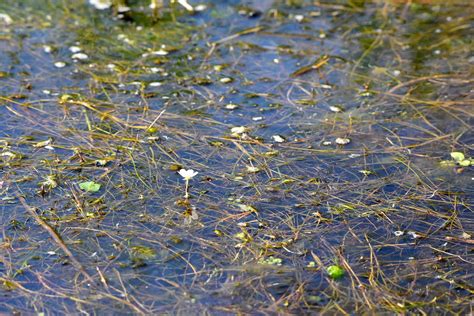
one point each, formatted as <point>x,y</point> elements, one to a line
<point>5,18</point>
<point>278,139</point>
<point>81,56</point>
<point>238,130</point>
<point>101,4</point>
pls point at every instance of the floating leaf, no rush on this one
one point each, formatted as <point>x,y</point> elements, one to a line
<point>458,156</point>
<point>89,186</point>
<point>464,163</point>
<point>335,272</point>
<point>271,261</point>
<point>447,163</point>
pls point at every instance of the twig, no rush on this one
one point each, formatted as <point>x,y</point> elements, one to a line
<point>57,239</point>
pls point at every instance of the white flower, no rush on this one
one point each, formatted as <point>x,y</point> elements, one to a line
<point>299,18</point>
<point>231,106</point>
<point>160,52</point>
<point>59,64</point>
<point>80,56</point>
<point>5,18</point>
<point>278,139</point>
<point>342,141</point>
<point>335,108</point>
<point>155,4</point>
<point>398,233</point>
<point>123,8</point>
<point>101,4</point>
<point>187,174</point>
<point>155,69</point>
<point>75,49</point>
<point>238,130</point>
<point>200,7</point>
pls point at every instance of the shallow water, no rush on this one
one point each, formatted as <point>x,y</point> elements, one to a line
<point>155,95</point>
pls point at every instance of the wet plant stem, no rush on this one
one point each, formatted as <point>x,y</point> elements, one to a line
<point>186,190</point>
